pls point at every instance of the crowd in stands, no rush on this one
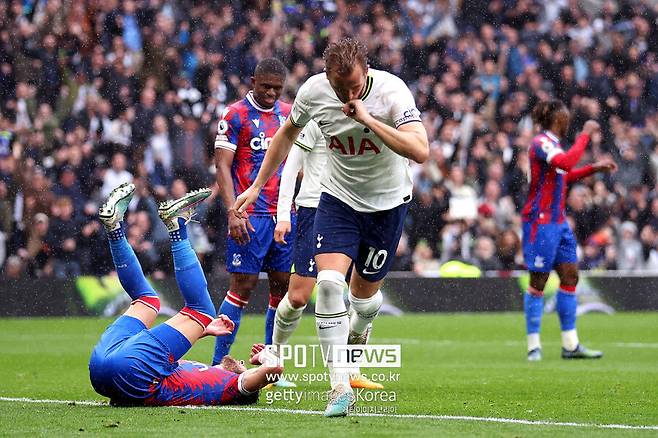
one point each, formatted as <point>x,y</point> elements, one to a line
<point>96,93</point>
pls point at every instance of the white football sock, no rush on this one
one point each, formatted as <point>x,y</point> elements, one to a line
<point>286,321</point>
<point>570,339</point>
<point>331,320</point>
<point>364,311</point>
<point>533,341</point>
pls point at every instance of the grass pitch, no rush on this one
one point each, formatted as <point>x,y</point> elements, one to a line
<point>455,368</point>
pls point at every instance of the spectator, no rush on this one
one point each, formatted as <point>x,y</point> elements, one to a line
<point>485,254</point>
<point>36,252</point>
<point>85,85</point>
<point>62,239</point>
<point>116,174</point>
<point>648,238</point>
<point>158,156</point>
<point>629,253</point>
<point>190,155</point>
<point>68,186</point>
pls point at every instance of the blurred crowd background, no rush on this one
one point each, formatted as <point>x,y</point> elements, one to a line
<point>94,93</point>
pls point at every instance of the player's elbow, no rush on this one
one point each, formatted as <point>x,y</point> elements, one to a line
<point>421,153</point>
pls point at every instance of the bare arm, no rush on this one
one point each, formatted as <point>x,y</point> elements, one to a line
<point>238,228</point>
<point>409,140</point>
<point>223,163</point>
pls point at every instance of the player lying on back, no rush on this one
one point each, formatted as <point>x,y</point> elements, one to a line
<point>373,127</point>
<point>548,242</point>
<point>137,364</point>
<point>310,156</point>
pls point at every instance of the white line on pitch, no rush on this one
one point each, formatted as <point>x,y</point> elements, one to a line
<point>449,342</point>
<point>401,416</point>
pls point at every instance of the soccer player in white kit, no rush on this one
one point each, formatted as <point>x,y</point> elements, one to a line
<point>372,128</point>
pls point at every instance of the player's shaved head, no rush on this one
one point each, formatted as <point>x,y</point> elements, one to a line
<point>270,67</point>
<point>268,80</point>
<point>342,56</point>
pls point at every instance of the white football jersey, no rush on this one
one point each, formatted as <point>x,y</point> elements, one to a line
<point>310,155</point>
<point>363,172</point>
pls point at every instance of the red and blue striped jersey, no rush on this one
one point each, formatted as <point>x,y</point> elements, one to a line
<point>247,129</point>
<point>548,184</point>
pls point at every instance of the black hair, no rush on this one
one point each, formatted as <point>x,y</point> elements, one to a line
<point>271,66</point>
<point>543,113</point>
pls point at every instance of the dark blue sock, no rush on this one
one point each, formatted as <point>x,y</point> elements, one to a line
<point>127,266</point>
<point>533,306</point>
<point>190,277</point>
<point>269,324</point>
<point>566,309</point>
<point>232,308</point>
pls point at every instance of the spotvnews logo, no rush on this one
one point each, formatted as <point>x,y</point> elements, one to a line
<point>340,356</point>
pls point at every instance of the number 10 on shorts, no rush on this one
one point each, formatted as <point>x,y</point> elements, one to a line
<point>375,260</point>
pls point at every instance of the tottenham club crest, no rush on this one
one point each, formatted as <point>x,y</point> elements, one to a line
<point>320,237</point>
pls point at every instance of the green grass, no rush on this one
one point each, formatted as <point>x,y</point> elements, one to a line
<point>452,364</point>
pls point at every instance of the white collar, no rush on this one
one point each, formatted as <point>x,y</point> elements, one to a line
<point>552,136</point>
<point>252,101</point>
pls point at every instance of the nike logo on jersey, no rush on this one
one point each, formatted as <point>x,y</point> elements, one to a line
<point>323,122</point>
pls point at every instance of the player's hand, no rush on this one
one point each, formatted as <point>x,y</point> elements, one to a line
<point>356,109</point>
<point>591,127</point>
<point>282,228</point>
<point>220,326</point>
<point>243,201</point>
<point>606,165</point>
<point>254,357</point>
<point>239,227</point>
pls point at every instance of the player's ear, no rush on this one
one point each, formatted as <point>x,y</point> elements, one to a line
<point>253,81</point>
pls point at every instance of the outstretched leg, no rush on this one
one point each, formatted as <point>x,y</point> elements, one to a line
<point>182,330</point>
<point>145,302</point>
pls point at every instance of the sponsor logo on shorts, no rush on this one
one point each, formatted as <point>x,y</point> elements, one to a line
<point>367,272</point>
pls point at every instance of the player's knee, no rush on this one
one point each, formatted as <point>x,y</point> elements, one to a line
<point>297,301</point>
<point>331,285</point>
<point>330,281</point>
<point>367,307</point>
<point>243,285</point>
<point>570,280</point>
